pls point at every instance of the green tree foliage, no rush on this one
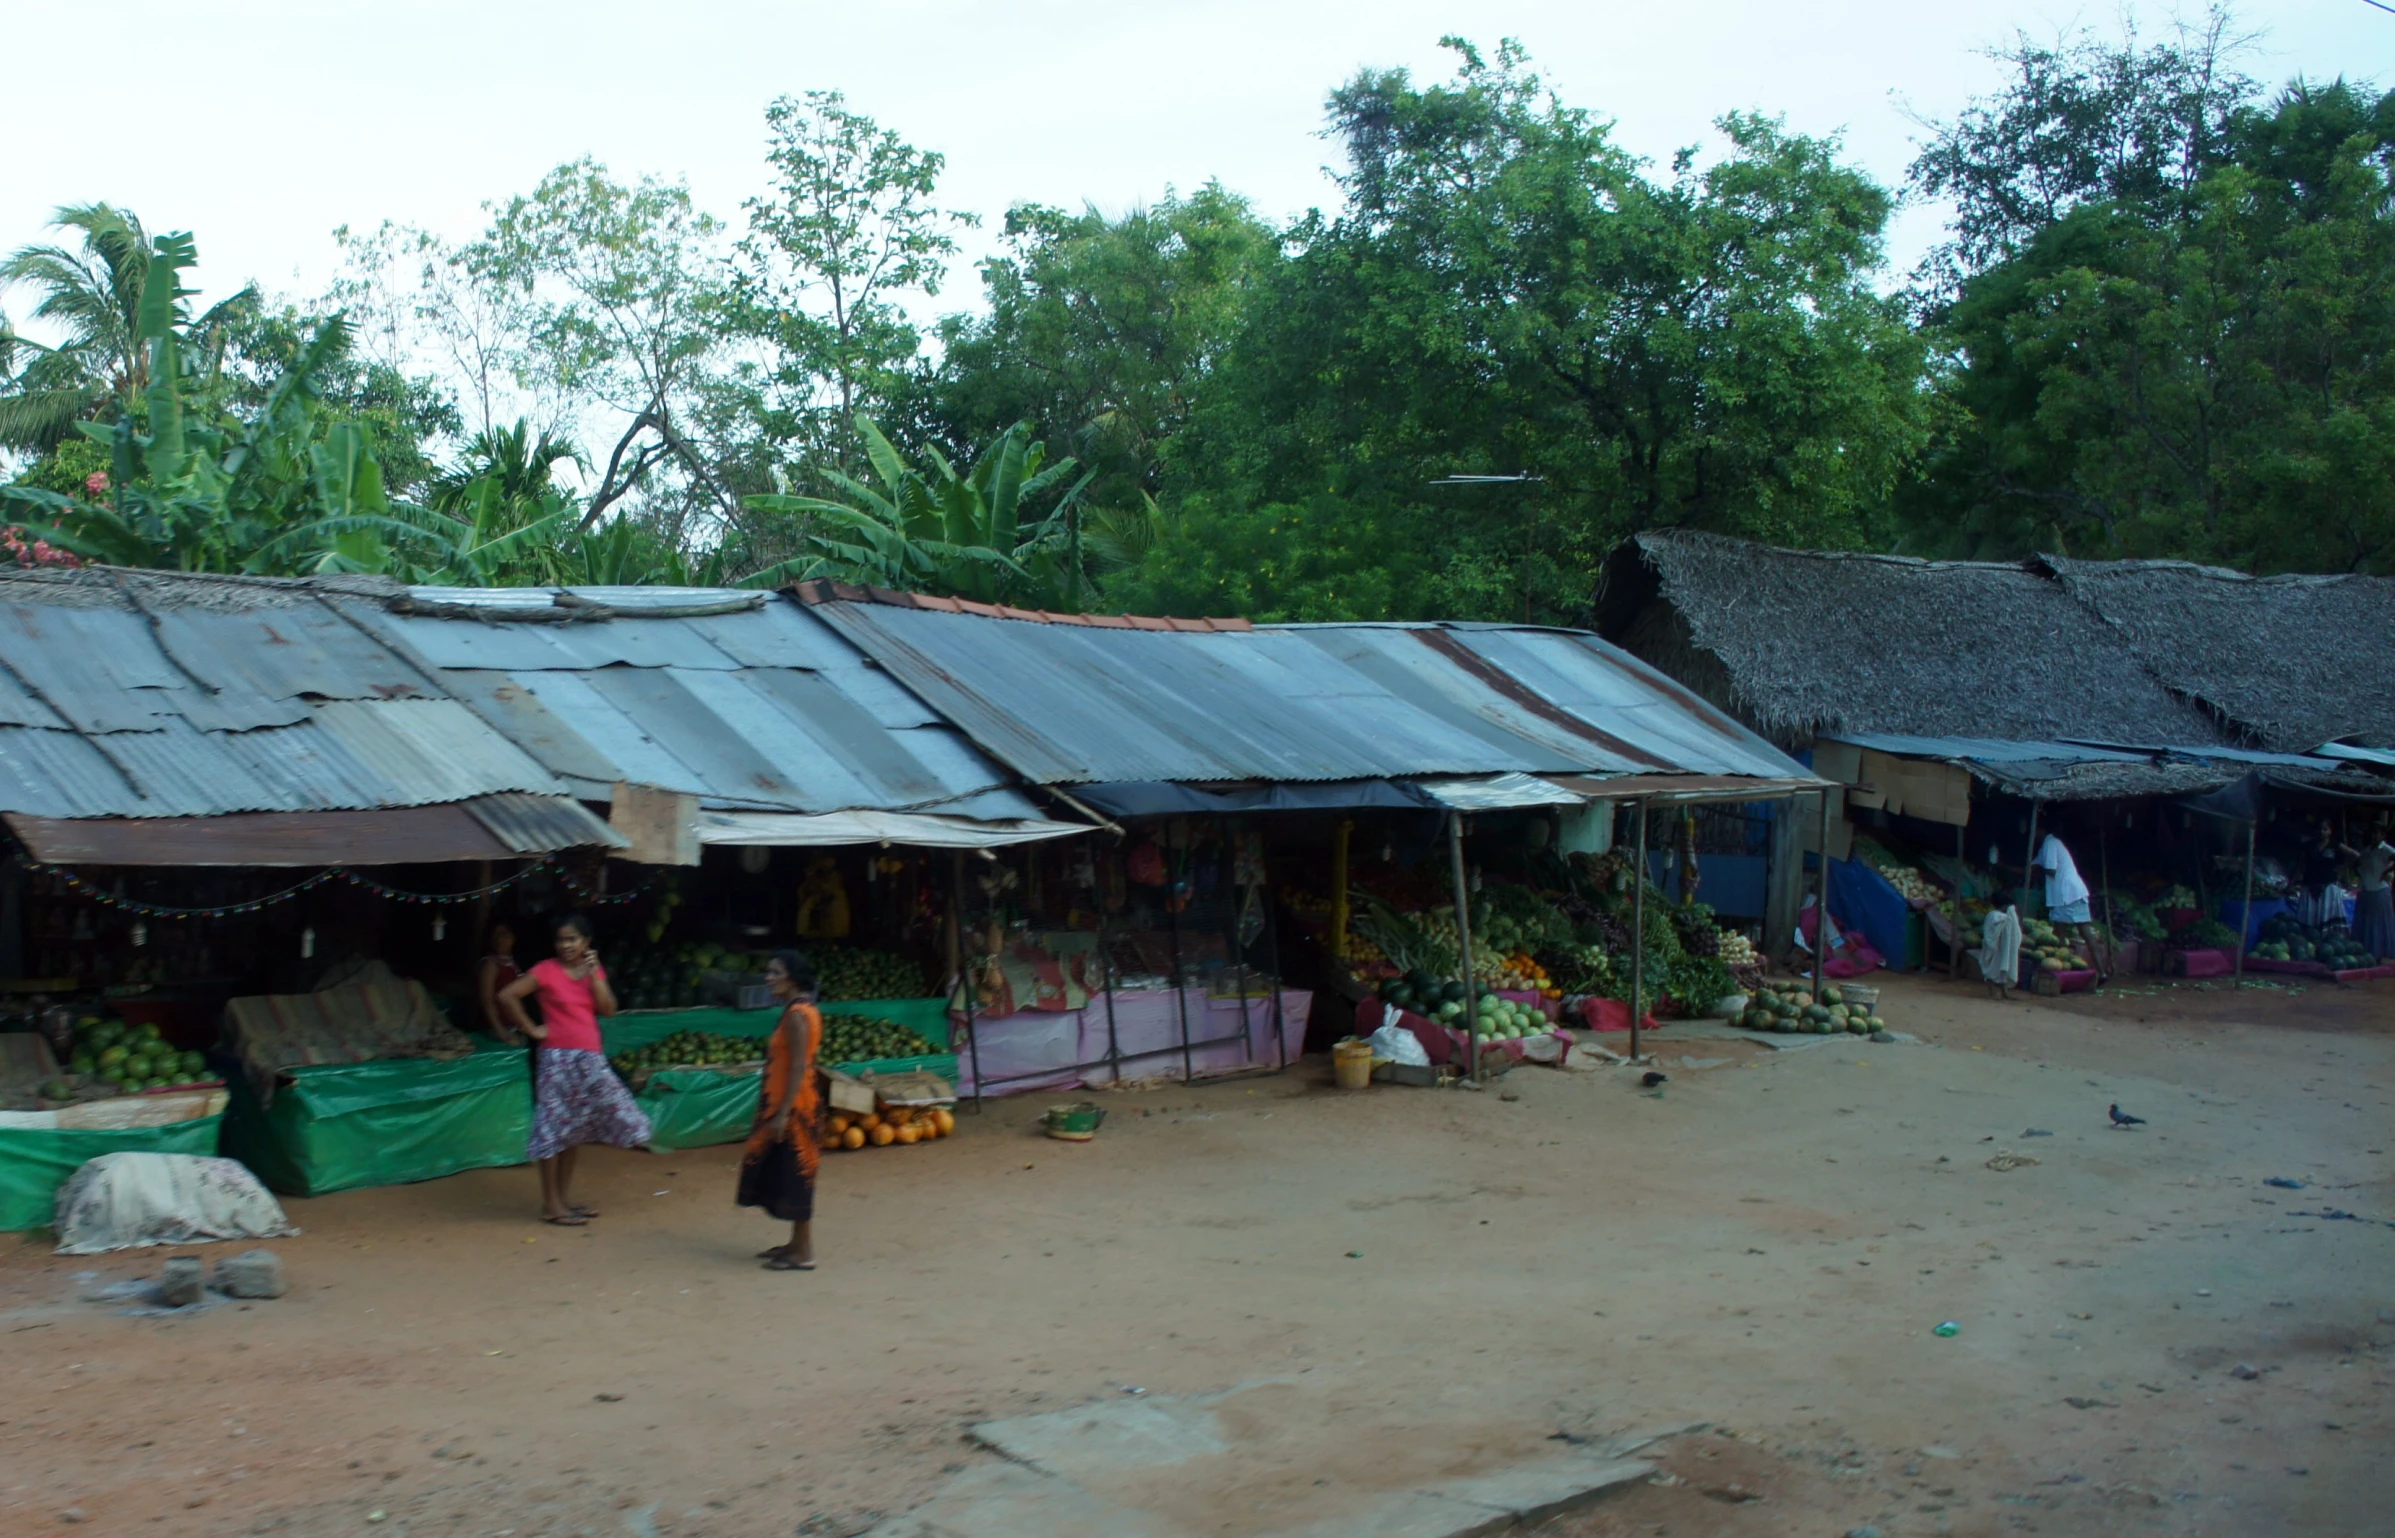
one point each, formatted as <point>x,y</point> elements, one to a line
<point>1104,334</point>
<point>2194,365</point>
<point>91,292</point>
<point>936,530</point>
<point>1506,290</point>
<point>850,229</point>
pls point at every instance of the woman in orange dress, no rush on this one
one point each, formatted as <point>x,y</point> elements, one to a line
<point>785,1147</point>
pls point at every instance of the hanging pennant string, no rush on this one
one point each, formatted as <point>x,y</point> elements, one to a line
<point>588,896</point>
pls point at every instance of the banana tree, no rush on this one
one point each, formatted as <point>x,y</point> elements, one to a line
<point>936,530</point>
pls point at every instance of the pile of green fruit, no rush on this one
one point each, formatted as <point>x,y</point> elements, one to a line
<point>1498,1019</point>
<point>126,1059</point>
<point>2285,939</point>
<point>853,972</point>
<point>689,1049</point>
<point>1793,1010</point>
<point>868,1039</point>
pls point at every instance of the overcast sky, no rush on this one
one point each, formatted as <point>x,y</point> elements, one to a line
<point>260,125</point>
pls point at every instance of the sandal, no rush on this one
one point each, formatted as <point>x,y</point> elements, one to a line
<point>584,1212</point>
<point>776,1253</point>
<point>784,1263</point>
<point>568,1220</point>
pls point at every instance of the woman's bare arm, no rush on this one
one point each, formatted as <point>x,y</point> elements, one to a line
<point>512,998</point>
<point>602,992</point>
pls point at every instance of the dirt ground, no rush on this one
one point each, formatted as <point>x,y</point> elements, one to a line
<point>2151,1339</point>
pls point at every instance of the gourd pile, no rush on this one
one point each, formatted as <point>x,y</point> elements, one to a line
<point>866,1039</point>
<point>2285,939</point>
<point>1792,1009</point>
<point>854,972</point>
<point>891,1126</point>
<point>688,1049</point>
<point>110,1057</point>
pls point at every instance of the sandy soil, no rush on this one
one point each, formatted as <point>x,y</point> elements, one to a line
<point>1430,1280</point>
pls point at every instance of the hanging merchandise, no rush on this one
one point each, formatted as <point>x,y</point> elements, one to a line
<point>1146,863</point>
<point>823,901</point>
<point>307,943</point>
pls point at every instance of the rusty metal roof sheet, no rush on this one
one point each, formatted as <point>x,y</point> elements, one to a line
<point>1098,703</point>
<point>762,708</point>
<point>148,695</point>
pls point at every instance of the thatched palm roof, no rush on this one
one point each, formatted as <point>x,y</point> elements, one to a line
<point>2290,662</point>
<point>1800,642</point>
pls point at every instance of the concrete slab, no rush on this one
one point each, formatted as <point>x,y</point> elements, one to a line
<point>1404,1514</point>
<point>1006,1500</point>
<point>1722,1030</point>
<point>1534,1491</point>
<point>1110,1437</point>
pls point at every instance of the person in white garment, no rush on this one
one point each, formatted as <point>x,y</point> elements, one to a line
<point>2067,906</point>
<point>1999,953</point>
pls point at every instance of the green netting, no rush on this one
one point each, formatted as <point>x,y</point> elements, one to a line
<point>35,1162</point>
<point>345,1125</point>
<point>694,1107</point>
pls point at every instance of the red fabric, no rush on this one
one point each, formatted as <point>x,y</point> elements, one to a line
<point>2290,967</point>
<point>2201,964</point>
<point>2365,974</point>
<point>567,1008</point>
<point>1853,956</point>
<point>1611,1015</point>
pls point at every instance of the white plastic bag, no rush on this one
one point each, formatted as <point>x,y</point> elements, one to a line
<point>1399,1045</point>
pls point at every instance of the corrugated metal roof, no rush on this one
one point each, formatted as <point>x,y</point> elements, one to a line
<point>1986,750</point>
<point>150,695</point>
<point>765,709</point>
<point>1073,704</point>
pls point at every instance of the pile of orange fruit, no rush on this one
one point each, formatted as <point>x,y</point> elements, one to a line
<point>899,1124</point>
<point>1522,973</point>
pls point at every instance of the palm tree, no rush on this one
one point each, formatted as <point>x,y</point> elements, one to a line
<point>90,293</point>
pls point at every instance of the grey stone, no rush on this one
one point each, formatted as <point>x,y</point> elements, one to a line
<point>252,1274</point>
<point>182,1285</point>
<point>1865,1531</point>
<point>1108,1437</point>
<point>1006,1500</point>
<point>2245,1370</point>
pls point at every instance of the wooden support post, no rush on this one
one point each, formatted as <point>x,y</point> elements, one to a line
<point>2245,914</point>
<point>1954,948</point>
<point>1463,942</point>
<point>1821,897</point>
<point>2029,859</point>
<point>1339,903</point>
<point>1638,934</point>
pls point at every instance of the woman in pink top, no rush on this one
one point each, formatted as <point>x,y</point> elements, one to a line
<point>577,1098</point>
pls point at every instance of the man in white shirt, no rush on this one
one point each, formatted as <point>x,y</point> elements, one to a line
<point>2067,905</point>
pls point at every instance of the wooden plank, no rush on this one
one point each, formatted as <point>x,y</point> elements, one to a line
<point>663,825</point>
<point>410,835</point>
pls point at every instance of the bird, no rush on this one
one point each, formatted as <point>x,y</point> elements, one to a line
<point>1654,1080</point>
<point>2121,1118</point>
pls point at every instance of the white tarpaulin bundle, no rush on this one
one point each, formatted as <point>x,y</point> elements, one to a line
<point>122,1201</point>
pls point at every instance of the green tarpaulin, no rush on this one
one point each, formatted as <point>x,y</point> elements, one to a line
<point>35,1162</point>
<point>694,1107</point>
<point>340,1126</point>
<point>344,1125</point>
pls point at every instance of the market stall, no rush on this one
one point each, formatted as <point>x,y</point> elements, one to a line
<point>1152,958</point>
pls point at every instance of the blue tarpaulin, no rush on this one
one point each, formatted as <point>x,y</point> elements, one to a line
<point>1862,900</point>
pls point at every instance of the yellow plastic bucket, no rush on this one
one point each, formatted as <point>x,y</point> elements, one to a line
<point>1351,1061</point>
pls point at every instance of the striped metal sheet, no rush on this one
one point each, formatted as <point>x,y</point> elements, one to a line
<point>767,709</point>
<point>1079,703</point>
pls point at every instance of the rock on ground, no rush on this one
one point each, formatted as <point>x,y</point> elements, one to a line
<point>252,1274</point>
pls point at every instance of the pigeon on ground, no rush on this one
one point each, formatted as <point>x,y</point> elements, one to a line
<point>2121,1118</point>
<point>1652,1079</point>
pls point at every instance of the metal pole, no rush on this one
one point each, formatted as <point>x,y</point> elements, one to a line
<point>1238,949</point>
<point>1638,933</point>
<point>1821,898</point>
<point>2245,915</point>
<point>1463,942</point>
<point>964,969</point>
<point>2102,936</point>
<point>1172,920</point>
<point>1954,946</point>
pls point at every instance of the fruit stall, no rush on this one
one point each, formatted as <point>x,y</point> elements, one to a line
<point>1153,959</point>
<point>120,1088</point>
<point>695,1072</point>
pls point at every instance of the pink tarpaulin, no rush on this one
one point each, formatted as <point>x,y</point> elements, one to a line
<point>2204,963</point>
<point>2289,968</point>
<point>1041,1049</point>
